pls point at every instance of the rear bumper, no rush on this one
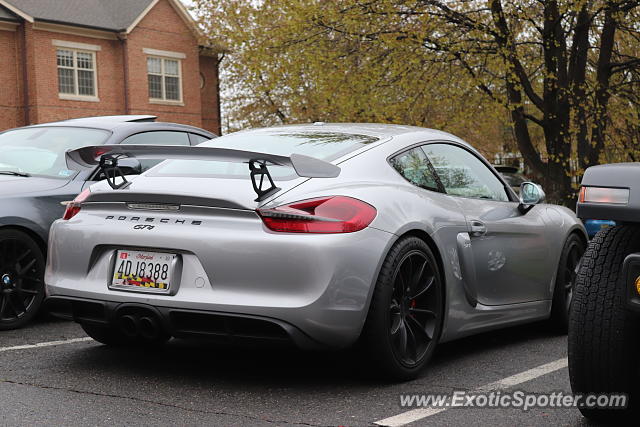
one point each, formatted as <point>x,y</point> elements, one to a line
<point>182,323</point>
<point>607,211</point>
<point>319,284</point>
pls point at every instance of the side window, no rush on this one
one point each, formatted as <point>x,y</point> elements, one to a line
<point>156,138</point>
<point>198,139</point>
<point>463,174</point>
<point>414,166</point>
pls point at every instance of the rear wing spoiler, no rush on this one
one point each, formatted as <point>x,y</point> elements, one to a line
<point>106,157</point>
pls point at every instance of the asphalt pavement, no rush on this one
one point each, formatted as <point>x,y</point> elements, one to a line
<point>51,374</point>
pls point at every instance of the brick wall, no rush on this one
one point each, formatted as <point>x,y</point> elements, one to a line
<point>48,106</point>
<point>11,113</point>
<point>161,29</point>
<point>210,93</point>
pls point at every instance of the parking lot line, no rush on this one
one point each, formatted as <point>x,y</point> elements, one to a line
<point>45,344</point>
<point>525,376</point>
<point>409,416</point>
<point>513,380</point>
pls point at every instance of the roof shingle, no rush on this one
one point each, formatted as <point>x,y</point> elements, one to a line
<point>111,15</point>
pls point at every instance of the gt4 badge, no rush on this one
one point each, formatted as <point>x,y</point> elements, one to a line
<point>143,227</point>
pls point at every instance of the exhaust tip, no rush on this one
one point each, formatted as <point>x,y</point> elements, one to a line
<point>148,328</point>
<point>128,325</point>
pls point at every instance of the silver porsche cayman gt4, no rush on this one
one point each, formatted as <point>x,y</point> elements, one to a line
<point>323,235</point>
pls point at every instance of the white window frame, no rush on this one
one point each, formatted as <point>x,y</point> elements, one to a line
<point>162,75</point>
<point>76,48</point>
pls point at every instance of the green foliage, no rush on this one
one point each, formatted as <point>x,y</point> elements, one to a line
<point>287,64</point>
<point>555,80</point>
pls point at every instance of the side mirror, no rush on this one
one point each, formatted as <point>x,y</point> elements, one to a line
<point>530,195</point>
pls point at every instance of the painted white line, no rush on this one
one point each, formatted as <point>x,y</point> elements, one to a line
<point>45,344</point>
<point>525,376</point>
<point>522,377</point>
<point>409,417</point>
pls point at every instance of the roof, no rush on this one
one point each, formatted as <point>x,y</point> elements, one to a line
<point>381,131</point>
<point>132,122</point>
<point>113,15</point>
<point>121,118</point>
<point>109,15</point>
<point>377,130</point>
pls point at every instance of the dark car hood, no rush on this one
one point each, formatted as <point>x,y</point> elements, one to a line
<point>18,185</point>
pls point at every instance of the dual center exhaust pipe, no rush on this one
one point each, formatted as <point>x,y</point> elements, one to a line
<point>147,326</point>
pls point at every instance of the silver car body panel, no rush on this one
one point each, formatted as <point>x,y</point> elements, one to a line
<point>321,284</point>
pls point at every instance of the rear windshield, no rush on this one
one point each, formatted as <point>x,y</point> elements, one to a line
<point>326,146</point>
<point>41,150</point>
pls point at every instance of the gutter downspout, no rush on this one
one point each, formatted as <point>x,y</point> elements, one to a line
<point>25,76</point>
<point>219,59</point>
<point>125,66</point>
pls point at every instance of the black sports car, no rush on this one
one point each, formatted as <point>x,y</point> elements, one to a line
<point>35,181</point>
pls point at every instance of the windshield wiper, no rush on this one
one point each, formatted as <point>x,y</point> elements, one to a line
<point>14,173</point>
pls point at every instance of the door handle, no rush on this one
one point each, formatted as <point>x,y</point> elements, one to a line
<point>477,228</point>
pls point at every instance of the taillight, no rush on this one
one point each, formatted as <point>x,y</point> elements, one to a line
<point>619,196</point>
<point>74,207</point>
<point>335,214</point>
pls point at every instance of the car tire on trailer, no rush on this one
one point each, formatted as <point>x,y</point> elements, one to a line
<point>603,333</point>
<point>572,251</point>
<point>22,265</point>
<point>406,312</point>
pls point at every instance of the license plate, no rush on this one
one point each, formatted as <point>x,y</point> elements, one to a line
<point>143,271</point>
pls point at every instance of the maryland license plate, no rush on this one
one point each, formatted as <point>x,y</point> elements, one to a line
<point>143,271</point>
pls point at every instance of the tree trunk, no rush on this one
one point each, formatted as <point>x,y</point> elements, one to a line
<point>556,107</point>
<point>577,76</point>
<point>599,127</point>
<point>521,130</point>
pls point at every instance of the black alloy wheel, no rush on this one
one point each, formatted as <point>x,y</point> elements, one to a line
<point>414,309</point>
<point>574,255</point>
<point>406,313</point>
<point>570,257</point>
<point>21,279</point>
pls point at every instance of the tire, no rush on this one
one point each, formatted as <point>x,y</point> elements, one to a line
<point>22,265</point>
<point>603,346</point>
<point>572,251</point>
<point>112,337</point>
<point>404,322</point>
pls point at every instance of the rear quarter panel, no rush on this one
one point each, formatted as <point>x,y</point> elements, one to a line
<point>404,208</point>
<point>401,208</point>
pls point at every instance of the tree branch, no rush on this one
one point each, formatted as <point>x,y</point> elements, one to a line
<point>504,38</point>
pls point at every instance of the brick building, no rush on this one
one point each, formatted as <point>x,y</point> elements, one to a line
<point>72,58</point>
